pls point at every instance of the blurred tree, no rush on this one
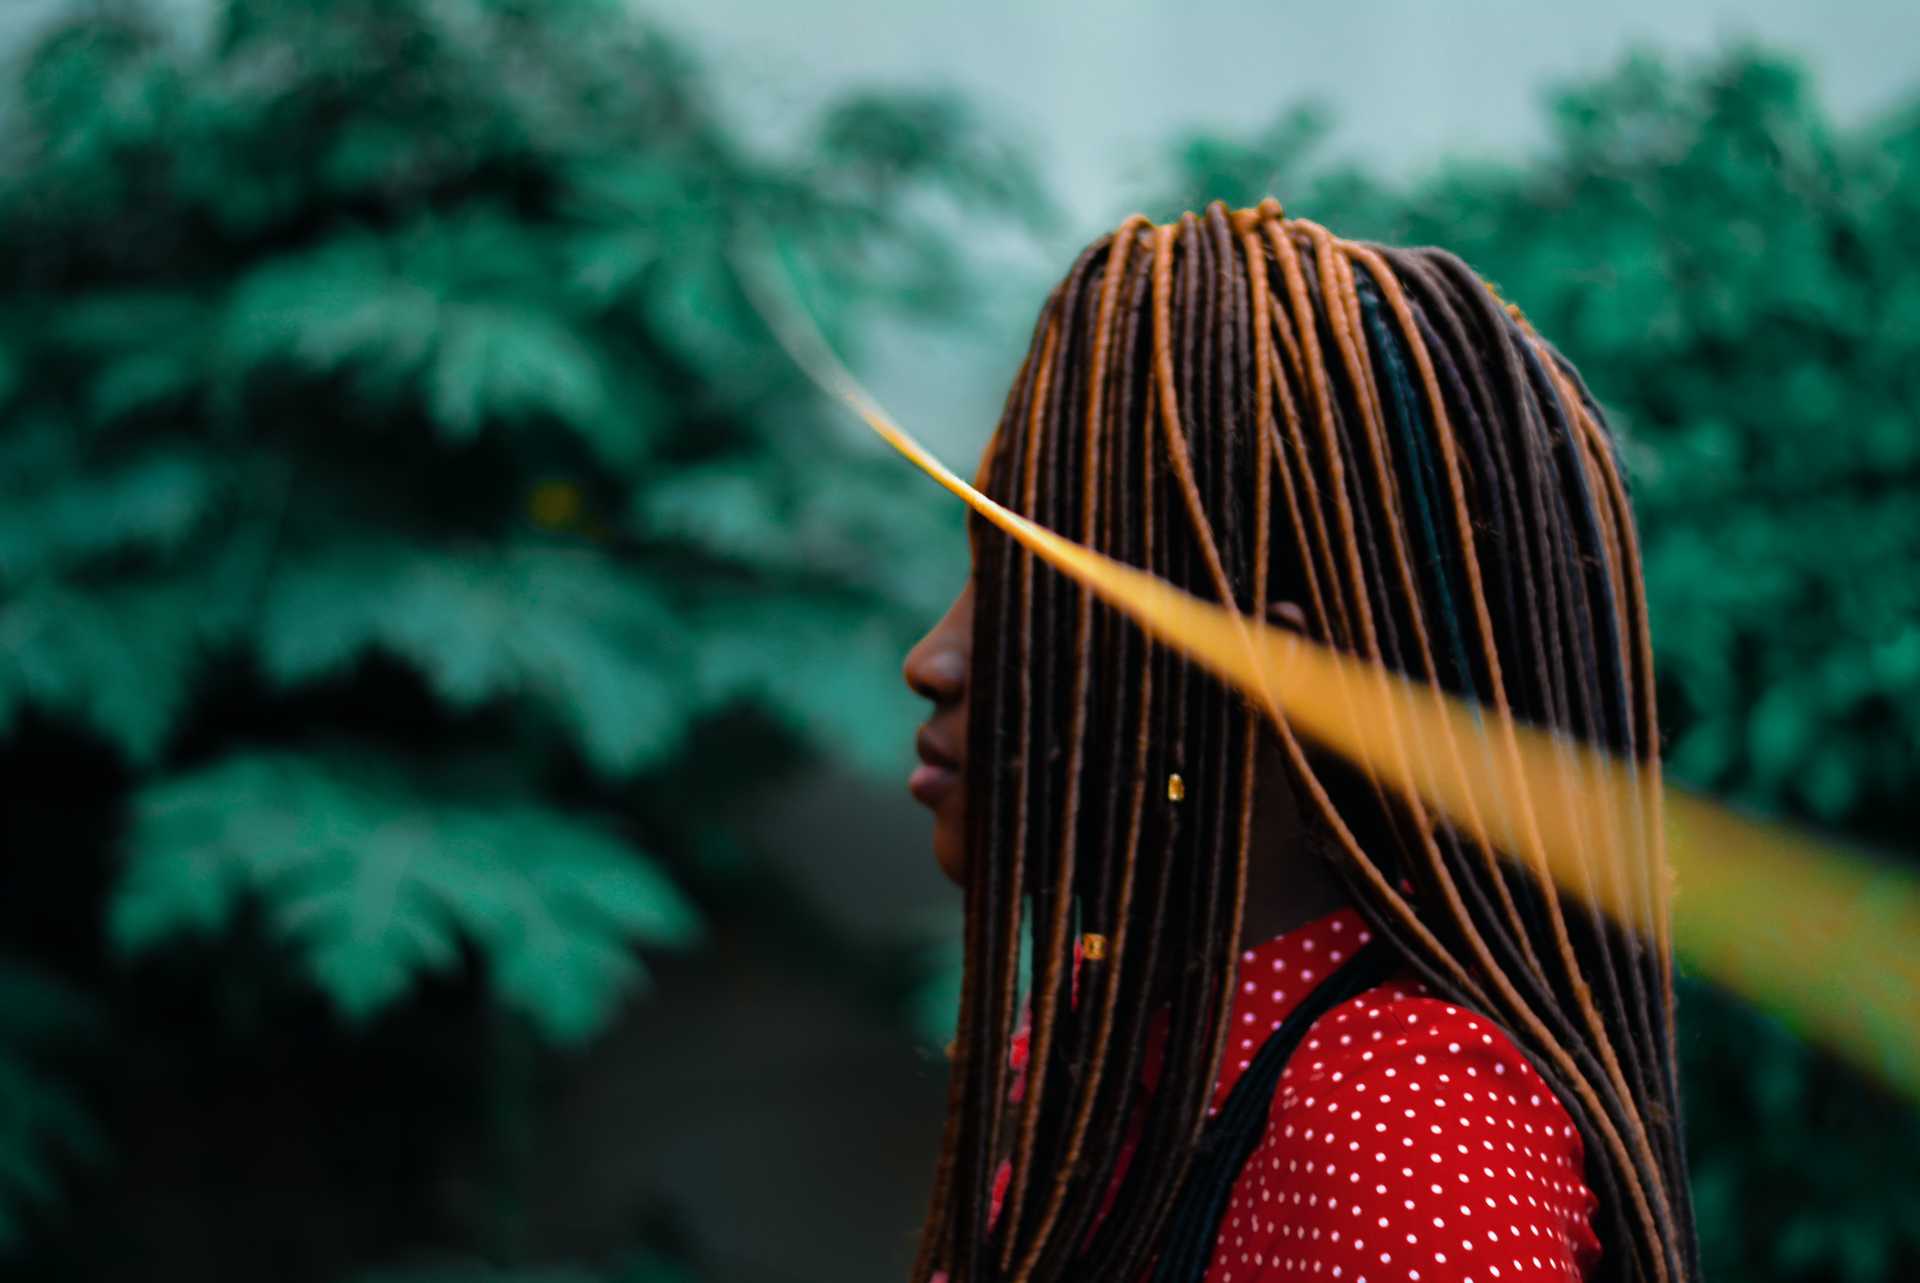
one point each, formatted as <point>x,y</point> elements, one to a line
<point>1738,282</point>
<point>412,546</point>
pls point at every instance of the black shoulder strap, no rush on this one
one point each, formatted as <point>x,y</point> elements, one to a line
<point>1230,1137</point>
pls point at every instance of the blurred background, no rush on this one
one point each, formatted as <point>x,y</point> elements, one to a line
<point>451,740</point>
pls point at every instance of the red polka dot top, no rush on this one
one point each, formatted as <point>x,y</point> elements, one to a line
<point>1408,1139</point>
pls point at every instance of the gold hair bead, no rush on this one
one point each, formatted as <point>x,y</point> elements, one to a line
<point>1093,947</point>
<point>1176,787</point>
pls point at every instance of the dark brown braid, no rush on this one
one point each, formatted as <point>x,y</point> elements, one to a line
<point>1257,411</point>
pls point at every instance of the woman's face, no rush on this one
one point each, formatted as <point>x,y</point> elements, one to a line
<point>937,669</point>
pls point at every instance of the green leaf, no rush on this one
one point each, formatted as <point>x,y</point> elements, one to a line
<point>376,871</point>
<point>58,511</point>
<point>865,529</point>
<point>588,642</point>
<point>501,362</point>
<point>148,348</point>
<point>695,305</point>
<point>118,660</point>
<point>738,509</point>
<point>468,319</point>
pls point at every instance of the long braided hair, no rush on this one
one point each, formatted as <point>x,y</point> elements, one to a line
<point>1259,411</point>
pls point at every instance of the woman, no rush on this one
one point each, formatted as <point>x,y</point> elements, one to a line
<point>1281,1022</point>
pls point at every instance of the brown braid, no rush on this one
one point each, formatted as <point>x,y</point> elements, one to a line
<point>1256,410</point>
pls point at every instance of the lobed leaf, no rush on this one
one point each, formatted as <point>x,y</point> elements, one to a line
<point>378,872</point>
<point>588,642</point>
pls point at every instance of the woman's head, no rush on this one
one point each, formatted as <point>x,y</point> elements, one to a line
<point>1263,413</point>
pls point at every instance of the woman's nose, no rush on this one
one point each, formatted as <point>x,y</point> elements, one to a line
<point>936,671</point>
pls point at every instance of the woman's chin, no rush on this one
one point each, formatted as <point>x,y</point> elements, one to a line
<point>949,852</point>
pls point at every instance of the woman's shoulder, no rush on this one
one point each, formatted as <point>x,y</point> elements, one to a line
<point>1410,1138</point>
<point>1398,1035</point>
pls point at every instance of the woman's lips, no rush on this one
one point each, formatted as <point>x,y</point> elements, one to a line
<point>930,784</point>
<point>938,772</point>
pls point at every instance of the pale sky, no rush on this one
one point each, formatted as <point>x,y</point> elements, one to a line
<point>1096,87</point>
<point>1095,90</point>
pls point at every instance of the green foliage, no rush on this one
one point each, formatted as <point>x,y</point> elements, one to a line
<point>116,659</point>
<point>42,1122</point>
<point>1798,1173</point>
<point>595,644</point>
<point>377,875</point>
<point>1243,172</point>
<point>393,474</point>
<point>456,315</point>
<point>1738,282</point>
<point>883,140</point>
<point>410,332</point>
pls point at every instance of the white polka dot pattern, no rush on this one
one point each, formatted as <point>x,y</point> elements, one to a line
<point>1408,1140</point>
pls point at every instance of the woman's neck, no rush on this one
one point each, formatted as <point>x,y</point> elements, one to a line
<point>1289,882</point>
<point>1287,887</point>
